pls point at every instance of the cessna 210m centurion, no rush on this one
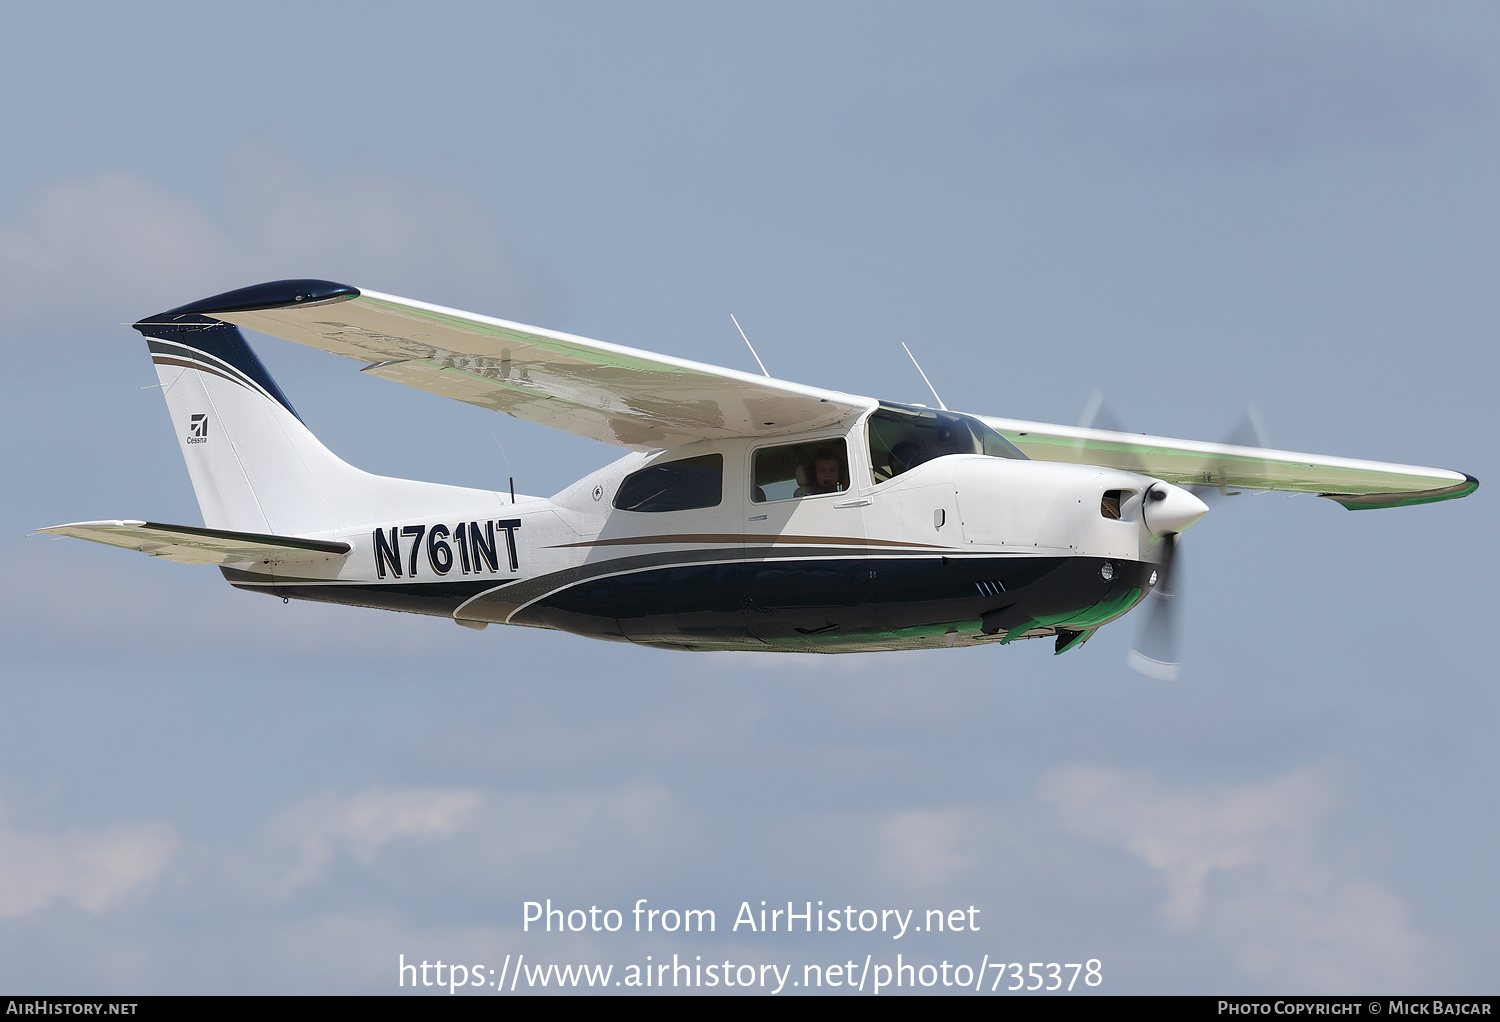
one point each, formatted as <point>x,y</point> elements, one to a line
<point>753,513</point>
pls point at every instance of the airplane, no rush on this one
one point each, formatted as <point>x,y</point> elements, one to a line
<point>750,513</point>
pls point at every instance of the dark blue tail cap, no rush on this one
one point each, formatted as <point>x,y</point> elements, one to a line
<point>277,294</point>
<point>193,326</point>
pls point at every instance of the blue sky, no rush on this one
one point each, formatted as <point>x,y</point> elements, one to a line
<point>1188,208</point>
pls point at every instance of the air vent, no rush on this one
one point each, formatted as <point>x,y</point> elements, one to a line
<point>1109,506</point>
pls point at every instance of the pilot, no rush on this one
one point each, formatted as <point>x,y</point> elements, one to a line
<point>827,474</point>
<point>907,455</point>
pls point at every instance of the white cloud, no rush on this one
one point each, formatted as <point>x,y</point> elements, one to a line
<point>927,848</point>
<point>1188,834</point>
<point>299,845</point>
<point>442,839</point>
<point>93,870</point>
<point>1258,889</point>
<point>1252,867</point>
<point>89,254</point>
<point>529,844</point>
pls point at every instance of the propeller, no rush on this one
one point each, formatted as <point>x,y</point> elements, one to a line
<point>1155,650</point>
<point>1167,510</point>
<point>1249,431</point>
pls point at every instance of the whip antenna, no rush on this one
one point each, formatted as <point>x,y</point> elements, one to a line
<point>507,461</point>
<point>748,344</point>
<point>924,376</point>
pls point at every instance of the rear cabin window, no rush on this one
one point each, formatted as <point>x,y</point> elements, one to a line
<point>674,485</point>
<point>799,470</point>
<point>903,437</point>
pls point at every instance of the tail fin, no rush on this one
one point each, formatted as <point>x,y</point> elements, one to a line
<point>255,467</point>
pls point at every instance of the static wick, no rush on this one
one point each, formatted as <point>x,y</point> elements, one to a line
<point>749,345</point>
<point>924,376</point>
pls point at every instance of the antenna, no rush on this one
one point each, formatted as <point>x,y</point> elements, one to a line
<point>748,344</point>
<point>924,376</point>
<point>507,460</point>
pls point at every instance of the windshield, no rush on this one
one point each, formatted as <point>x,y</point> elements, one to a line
<point>904,436</point>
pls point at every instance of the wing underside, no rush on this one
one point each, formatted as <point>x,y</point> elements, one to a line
<point>1357,485</point>
<point>606,392</point>
<point>188,544</point>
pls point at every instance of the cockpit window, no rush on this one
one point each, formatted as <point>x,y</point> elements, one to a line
<point>903,437</point>
<point>674,485</point>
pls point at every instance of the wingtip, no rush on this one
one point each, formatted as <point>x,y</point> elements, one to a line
<point>108,523</point>
<point>1373,501</point>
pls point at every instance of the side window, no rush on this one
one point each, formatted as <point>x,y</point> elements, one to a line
<point>799,470</point>
<point>674,485</point>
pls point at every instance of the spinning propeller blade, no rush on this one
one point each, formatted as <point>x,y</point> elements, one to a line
<point>1097,414</point>
<point>1155,652</point>
<point>1167,513</point>
<point>1249,431</point>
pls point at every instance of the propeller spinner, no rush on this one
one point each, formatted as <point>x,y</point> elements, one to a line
<point>1167,510</point>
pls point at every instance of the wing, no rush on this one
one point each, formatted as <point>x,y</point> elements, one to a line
<point>606,392</point>
<point>1357,485</point>
<point>186,544</point>
<point>645,401</point>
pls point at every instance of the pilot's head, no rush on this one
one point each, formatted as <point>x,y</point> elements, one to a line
<point>905,456</point>
<point>827,470</point>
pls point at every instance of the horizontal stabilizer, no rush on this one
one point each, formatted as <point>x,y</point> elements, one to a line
<point>187,544</point>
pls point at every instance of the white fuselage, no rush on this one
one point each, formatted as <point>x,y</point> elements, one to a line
<point>509,563</point>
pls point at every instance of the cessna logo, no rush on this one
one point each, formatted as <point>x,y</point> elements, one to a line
<point>198,429</point>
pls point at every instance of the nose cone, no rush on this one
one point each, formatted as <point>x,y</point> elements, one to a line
<point>1170,509</point>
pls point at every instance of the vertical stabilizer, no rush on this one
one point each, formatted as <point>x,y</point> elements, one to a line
<point>255,467</point>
